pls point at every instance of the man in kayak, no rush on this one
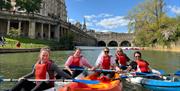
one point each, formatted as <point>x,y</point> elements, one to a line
<point>76,61</point>
<point>106,62</point>
<point>121,59</point>
<point>43,69</point>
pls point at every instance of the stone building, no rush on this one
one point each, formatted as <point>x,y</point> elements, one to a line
<point>50,23</point>
<point>54,9</point>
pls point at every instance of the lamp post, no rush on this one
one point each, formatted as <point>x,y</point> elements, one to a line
<point>13,4</point>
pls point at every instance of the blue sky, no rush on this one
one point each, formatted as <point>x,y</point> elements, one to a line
<point>108,15</point>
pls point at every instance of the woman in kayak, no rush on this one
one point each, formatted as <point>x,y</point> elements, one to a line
<point>76,61</point>
<point>106,62</point>
<point>43,69</point>
<point>139,65</point>
<point>121,59</point>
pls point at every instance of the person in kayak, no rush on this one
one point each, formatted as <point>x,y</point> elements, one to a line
<point>43,69</point>
<point>139,65</point>
<point>76,61</point>
<point>121,59</point>
<point>106,62</point>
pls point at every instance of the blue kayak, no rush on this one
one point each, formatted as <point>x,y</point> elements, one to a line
<point>161,85</point>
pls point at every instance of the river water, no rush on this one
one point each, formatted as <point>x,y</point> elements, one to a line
<point>18,64</point>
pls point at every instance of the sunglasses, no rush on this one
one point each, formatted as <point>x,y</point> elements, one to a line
<point>137,56</point>
<point>106,51</point>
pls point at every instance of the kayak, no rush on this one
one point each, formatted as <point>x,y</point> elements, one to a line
<point>105,84</point>
<point>167,83</point>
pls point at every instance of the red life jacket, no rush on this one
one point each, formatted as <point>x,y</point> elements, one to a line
<point>41,69</point>
<point>143,65</point>
<point>122,59</point>
<point>76,61</point>
<point>106,62</point>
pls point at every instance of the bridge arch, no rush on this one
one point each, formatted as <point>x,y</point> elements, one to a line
<point>101,43</point>
<point>112,44</point>
<point>125,43</point>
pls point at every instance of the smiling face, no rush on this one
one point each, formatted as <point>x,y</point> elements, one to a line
<point>44,56</point>
<point>106,51</point>
<point>137,56</point>
<point>77,53</point>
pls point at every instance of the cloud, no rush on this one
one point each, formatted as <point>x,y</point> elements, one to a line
<point>113,22</point>
<point>175,9</point>
<point>92,17</point>
<point>89,17</point>
<point>101,30</point>
<point>73,21</point>
<point>104,15</point>
<point>104,22</point>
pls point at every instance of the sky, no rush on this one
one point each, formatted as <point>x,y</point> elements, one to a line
<point>108,15</point>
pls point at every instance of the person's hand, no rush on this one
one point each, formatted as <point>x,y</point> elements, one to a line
<point>71,72</point>
<point>119,70</point>
<point>93,69</point>
<point>22,78</point>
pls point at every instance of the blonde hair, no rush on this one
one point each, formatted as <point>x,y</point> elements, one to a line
<point>106,48</point>
<point>43,49</point>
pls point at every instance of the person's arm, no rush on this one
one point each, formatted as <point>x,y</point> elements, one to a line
<point>67,64</point>
<point>29,75</point>
<point>150,69</point>
<point>85,62</point>
<point>59,71</point>
<point>128,59</point>
<point>116,60</point>
<point>112,62</point>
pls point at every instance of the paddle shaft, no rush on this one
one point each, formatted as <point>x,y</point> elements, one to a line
<point>63,80</point>
<point>97,70</point>
<point>15,80</point>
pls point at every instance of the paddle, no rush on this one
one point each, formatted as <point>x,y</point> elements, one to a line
<point>64,80</point>
<point>177,73</point>
<point>141,74</point>
<point>97,70</point>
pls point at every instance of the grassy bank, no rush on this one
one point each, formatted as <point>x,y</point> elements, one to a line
<point>29,43</point>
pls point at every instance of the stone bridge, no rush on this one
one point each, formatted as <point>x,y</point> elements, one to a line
<point>112,39</point>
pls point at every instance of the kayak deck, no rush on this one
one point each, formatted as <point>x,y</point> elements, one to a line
<point>156,84</point>
<point>104,85</point>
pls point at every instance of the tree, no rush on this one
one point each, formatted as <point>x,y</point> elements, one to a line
<point>151,24</point>
<point>31,6</point>
<point>2,4</point>
<point>5,5</point>
<point>67,41</point>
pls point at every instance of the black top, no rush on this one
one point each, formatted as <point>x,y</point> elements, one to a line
<point>133,64</point>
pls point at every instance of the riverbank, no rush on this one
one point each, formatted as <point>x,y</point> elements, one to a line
<point>175,49</point>
<point>21,50</point>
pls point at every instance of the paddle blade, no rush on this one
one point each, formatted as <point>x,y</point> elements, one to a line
<point>123,76</point>
<point>1,79</point>
<point>161,71</point>
<point>86,81</point>
<point>177,73</point>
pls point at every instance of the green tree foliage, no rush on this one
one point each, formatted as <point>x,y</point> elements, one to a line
<point>67,41</point>
<point>31,6</point>
<point>2,3</point>
<point>151,25</point>
<point>13,33</point>
<point>5,5</point>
